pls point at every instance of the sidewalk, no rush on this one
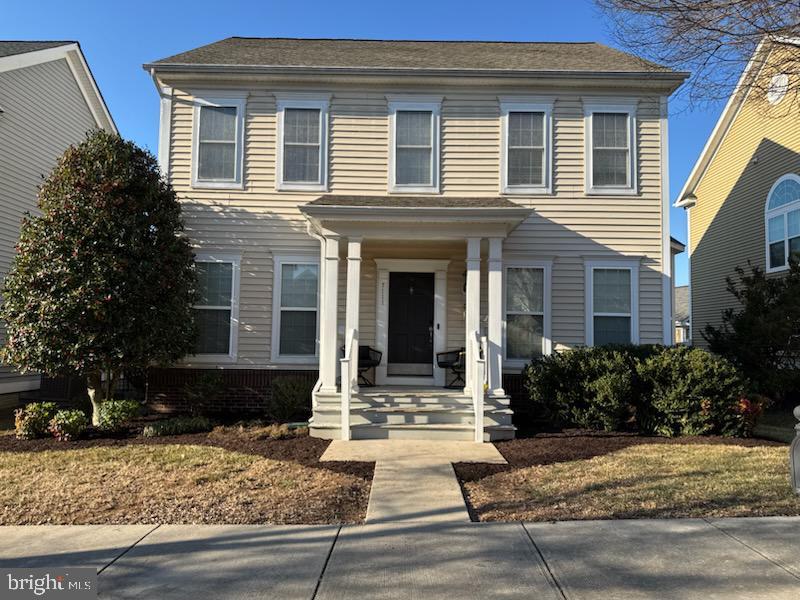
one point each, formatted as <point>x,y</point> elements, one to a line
<point>680,559</point>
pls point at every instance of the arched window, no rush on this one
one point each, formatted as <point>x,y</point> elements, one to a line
<point>782,223</point>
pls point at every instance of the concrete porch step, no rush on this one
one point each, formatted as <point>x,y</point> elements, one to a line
<point>413,431</point>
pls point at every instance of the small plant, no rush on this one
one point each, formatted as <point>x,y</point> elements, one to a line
<point>114,414</point>
<point>33,420</point>
<point>203,391</point>
<point>290,399</point>
<point>68,425</point>
<point>178,426</point>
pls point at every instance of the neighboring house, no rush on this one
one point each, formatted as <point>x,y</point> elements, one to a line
<point>743,196</point>
<point>680,310</point>
<point>48,100</point>
<point>414,197</point>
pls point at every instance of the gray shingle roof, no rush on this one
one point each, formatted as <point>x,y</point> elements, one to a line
<point>10,48</point>
<point>413,201</point>
<point>590,57</point>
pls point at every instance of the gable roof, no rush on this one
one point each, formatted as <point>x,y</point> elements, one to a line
<point>587,57</point>
<point>10,48</point>
<point>735,102</point>
<point>680,310</point>
<point>18,54</point>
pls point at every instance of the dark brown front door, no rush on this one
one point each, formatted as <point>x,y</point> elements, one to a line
<point>410,344</point>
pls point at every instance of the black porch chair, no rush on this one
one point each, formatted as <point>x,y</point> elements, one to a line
<point>368,358</point>
<point>455,361</point>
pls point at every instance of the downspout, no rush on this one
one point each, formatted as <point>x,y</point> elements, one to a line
<point>164,124</point>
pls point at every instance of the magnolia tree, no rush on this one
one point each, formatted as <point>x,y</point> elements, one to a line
<point>103,281</point>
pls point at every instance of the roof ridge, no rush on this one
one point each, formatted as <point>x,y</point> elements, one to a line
<point>395,40</point>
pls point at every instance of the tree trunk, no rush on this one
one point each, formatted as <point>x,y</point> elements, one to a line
<point>94,385</point>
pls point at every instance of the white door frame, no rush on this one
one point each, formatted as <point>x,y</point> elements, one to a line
<point>386,266</point>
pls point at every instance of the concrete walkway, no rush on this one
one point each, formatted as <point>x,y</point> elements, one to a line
<point>414,480</point>
<point>681,559</point>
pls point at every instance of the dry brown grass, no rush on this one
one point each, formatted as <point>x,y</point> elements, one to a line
<point>172,483</point>
<point>641,480</point>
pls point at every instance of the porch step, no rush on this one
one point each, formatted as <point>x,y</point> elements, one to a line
<point>444,431</point>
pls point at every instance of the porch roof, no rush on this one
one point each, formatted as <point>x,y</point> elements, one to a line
<point>414,216</point>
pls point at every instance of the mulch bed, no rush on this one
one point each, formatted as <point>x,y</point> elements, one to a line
<point>577,444</point>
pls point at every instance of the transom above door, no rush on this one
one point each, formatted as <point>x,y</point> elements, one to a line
<point>410,320</point>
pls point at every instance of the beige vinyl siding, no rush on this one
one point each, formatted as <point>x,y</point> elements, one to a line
<point>726,227</point>
<point>44,112</point>
<point>566,227</point>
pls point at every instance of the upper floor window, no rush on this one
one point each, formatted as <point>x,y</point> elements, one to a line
<point>216,310</point>
<point>302,142</point>
<point>612,302</point>
<point>218,141</point>
<point>783,223</point>
<point>414,150</point>
<point>610,149</point>
<point>526,152</point>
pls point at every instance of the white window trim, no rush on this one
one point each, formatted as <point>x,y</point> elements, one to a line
<point>537,105</point>
<point>236,261</point>
<point>591,266</point>
<point>226,99</point>
<point>780,211</point>
<point>434,105</point>
<point>279,261</point>
<point>300,100</point>
<point>547,267</point>
<point>608,106</point>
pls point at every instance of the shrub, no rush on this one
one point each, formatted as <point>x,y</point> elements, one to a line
<point>114,414</point>
<point>290,399</point>
<point>68,425</point>
<point>33,420</point>
<point>177,426</point>
<point>592,388</point>
<point>203,391</point>
<point>691,392</point>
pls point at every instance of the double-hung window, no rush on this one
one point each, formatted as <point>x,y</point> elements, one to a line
<point>302,143</point>
<point>526,152</point>
<point>217,308</point>
<point>414,151</point>
<point>782,217</point>
<point>295,308</point>
<point>612,303</point>
<point>610,149</point>
<point>218,141</point>
<point>526,312</point>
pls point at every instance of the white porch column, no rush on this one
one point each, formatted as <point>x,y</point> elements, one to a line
<point>353,290</point>
<point>328,354</point>
<point>472,322</point>
<point>494,360</point>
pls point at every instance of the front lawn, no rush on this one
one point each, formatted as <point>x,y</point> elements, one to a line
<point>226,476</point>
<point>613,476</point>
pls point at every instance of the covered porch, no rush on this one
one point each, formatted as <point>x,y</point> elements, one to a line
<point>402,279</point>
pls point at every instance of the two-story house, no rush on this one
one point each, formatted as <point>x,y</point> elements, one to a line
<point>48,100</point>
<point>414,198</point>
<point>742,198</point>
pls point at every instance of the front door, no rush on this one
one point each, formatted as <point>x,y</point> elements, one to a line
<point>410,343</point>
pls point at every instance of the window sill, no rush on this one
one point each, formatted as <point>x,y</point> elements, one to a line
<point>612,192</point>
<point>210,358</point>
<point>301,187</point>
<point>414,189</point>
<point>527,191</point>
<point>296,360</point>
<point>217,185</point>
<point>782,269</point>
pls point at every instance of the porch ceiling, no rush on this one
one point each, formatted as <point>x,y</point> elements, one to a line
<point>414,217</point>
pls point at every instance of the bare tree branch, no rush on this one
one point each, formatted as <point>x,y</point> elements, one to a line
<point>714,40</point>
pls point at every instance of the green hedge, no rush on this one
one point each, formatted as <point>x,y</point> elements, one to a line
<point>650,389</point>
<point>178,426</point>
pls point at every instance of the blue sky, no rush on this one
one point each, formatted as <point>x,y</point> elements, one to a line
<point>118,37</point>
